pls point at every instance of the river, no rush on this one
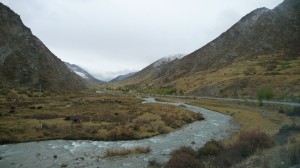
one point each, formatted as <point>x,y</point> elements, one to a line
<point>83,153</point>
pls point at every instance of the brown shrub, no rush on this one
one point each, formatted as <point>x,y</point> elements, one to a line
<point>184,160</point>
<point>247,144</point>
<point>184,149</point>
<point>211,148</point>
<point>256,139</point>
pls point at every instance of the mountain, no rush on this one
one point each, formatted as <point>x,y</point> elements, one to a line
<point>122,77</point>
<point>83,74</point>
<point>152,73</point>
<point>25,61</point>
<point>261,50</point>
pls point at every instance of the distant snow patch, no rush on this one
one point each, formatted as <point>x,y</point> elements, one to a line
<point>81,74</point>
<point>167,59</point>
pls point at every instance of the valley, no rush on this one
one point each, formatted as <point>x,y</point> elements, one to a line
<point>233,103</point>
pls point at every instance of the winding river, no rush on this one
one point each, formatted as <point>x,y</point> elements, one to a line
<point>83,153</point>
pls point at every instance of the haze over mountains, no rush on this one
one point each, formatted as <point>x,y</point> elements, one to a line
<point>261,50</point>
<point>83,73</point>
<point>25,61</point>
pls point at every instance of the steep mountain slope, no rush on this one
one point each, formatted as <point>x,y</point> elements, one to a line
<point>26,61</point>
<point>154,72</point>
<point>261,50</point>
<point>83,74</point>
<point>122,77</point>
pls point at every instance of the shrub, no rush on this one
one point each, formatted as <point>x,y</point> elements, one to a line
<point>247,144</point>
<point>184,157</point>
<point>184,160</point>
<point>211,148</point>
<point>256,139</point>
<point>184,149</point>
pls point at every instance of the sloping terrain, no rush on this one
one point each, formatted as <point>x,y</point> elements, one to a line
<point>261,50</point>
<point>83,73</point>
<point>122,77</point>
<point>25,61</point>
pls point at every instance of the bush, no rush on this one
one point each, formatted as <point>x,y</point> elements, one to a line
<point>184,160</point>
<point>256,139</point>
<point>186,150</point>
<point>184,157</point>
<point>211,148</point>
<point>216,155</point>
<point>248,143</point>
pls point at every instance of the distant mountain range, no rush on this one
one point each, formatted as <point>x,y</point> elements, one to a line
<point>83,74</point>
<point>122,77</point>
<point>261,50</point>
<point>25,61</point>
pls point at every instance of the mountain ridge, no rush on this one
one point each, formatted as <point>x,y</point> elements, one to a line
<point>25,61</point>
<point>263,40</point>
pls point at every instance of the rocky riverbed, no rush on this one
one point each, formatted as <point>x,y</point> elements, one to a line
<point>83,153</point>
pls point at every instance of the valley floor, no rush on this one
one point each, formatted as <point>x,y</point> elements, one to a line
<point>26,116</point>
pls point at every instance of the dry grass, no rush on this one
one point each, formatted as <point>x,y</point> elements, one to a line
<point>125,152</point>
<point>240,79</point>
<point>249,116</point>
<point>86,115</point>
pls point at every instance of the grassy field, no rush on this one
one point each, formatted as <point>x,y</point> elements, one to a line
<point>267,118</point>
<point>33,116</point>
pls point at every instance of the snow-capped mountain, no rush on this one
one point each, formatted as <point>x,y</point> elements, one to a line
<point>82,73</point>
<point>167,59</point>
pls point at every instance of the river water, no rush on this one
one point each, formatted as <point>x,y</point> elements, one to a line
<point>83,153</point>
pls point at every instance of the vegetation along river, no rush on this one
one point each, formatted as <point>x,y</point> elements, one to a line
<point>84,153</point>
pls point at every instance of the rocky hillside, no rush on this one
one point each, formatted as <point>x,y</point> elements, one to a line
<point>261,50</point>
<point>83,73</point>
<point>26,61</point>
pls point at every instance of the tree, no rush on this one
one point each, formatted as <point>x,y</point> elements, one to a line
<point>181,92</point>
<point>264,94</point>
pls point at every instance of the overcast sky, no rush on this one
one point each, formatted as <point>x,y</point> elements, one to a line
<point>112,37</point>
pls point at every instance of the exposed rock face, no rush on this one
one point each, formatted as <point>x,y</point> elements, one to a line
<point>26,61</point>
<point>83,73</point>
<point>274,34</point>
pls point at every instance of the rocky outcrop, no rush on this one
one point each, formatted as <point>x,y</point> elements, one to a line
<point>26,61</point>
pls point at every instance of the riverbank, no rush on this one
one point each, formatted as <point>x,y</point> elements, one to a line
<point>59,153</point>
<point>267,118</point>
